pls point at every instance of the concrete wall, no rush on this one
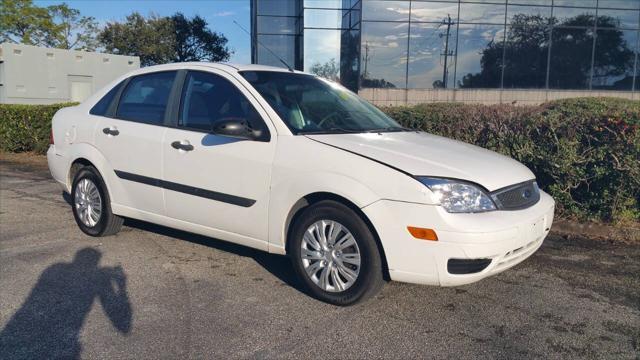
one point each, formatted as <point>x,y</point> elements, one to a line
<point>393,97</point>
<point>36,75</point>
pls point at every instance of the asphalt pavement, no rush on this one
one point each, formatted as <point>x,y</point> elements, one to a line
<point>153,292</point>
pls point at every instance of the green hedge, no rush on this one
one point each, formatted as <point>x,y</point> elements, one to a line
<point>585,152</point>
<point>26,127</point>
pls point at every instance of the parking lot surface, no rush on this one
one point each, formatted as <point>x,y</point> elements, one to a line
<point>153,292</point>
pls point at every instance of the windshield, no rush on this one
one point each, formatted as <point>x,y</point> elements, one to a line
<point>311,105</point>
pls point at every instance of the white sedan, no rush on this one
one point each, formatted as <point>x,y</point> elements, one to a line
<point>289,163</point>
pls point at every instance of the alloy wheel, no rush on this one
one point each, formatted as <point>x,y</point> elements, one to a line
<point>88,202</point>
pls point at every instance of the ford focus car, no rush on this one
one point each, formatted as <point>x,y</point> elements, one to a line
<point>292,164</point>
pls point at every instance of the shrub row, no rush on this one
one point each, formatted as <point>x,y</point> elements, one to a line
<point>26,127</point>
<point>585,152</point>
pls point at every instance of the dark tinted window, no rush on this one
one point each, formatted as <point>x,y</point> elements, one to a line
<point>283,45</point>
<point>209,98</point>
<point>277,7</point>
<point>145,97</point>
<point>102,106</point>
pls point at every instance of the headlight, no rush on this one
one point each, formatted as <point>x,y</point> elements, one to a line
<point>459,197</point>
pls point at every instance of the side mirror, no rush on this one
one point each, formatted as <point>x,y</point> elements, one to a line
<point>236,128</point>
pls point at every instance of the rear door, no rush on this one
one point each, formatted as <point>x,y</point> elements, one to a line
<point>218,182</point>
<point>131,140</point>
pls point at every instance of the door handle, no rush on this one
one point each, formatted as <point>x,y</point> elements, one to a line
<point>111,131</point>
<point>178,145</point>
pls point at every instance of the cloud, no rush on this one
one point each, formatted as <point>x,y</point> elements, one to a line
<point>224,13</point>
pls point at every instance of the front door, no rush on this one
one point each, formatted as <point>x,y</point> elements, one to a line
<point>214,181</point>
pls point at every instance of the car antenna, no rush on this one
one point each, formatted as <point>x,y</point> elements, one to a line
<point>264,46</point>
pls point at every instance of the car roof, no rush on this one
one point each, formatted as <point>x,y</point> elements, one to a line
<point>215,65</point>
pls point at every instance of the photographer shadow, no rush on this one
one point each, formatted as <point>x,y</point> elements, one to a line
<point>49,322</point>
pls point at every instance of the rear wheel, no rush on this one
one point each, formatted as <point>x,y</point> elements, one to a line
<point>92,205</point>
<point>335,255</point>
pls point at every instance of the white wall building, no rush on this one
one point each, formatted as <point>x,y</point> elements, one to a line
<point>37,75</point>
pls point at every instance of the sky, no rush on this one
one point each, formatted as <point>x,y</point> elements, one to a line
<point>218,13</point>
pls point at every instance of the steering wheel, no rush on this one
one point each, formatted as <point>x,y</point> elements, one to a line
<point>331,114</point>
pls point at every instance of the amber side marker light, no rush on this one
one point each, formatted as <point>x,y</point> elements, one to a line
<point>423,234</point>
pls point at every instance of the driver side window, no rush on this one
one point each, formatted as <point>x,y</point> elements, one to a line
<point>208,98</point>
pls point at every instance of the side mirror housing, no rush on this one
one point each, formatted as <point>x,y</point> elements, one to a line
<point>236,128</point>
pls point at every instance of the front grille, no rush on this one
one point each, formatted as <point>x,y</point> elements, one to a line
<point>517,197</point>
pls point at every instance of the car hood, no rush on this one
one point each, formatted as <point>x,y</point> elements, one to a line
<point>423,154</point>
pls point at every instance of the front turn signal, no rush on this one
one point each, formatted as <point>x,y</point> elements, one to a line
<point>423,234</point>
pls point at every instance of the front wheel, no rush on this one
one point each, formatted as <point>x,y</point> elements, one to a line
<point>334,254</point>
<point>91,204</point>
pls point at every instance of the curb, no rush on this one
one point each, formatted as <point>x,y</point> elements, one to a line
<point>596,231</point>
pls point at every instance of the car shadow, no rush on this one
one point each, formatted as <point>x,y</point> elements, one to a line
<point>278,265</point>
<point>49,322</point>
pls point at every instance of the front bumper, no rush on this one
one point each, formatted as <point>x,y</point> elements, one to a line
<point>505,237</point>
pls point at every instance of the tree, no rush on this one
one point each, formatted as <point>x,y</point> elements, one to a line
<point>22,22</point>
<point>73,31</point>
<point>152,38</point>
<point>526,51</point>
<point>613,60</point>
<point>375,83</point>
<point>328,70</point>
<point>570,65</point>
<point>526,57</point>
<point>159,40</point>
<point>196,42</point>
<point>55,26</point>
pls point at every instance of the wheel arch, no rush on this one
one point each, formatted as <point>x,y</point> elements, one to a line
<point>313,198</point>
<point>76,165</point>
<point>83,154</point>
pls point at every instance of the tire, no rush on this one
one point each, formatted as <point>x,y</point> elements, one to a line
<point>335,259</point>
<point>82,193</point>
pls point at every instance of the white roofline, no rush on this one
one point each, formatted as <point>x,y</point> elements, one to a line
<point>216,65</point>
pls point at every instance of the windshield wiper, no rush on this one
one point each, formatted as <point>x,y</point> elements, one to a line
<point>391,129</point>
<point>332,130</point>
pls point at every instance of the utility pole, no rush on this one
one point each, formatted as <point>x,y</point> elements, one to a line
<point>447,53</point>
<point>366,59</point>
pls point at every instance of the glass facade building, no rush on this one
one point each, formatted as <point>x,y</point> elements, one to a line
<point>455,44</point>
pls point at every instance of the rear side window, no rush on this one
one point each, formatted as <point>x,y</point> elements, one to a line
<point>102,107</point>
<point>145,98</point>
<point>208,98</point>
